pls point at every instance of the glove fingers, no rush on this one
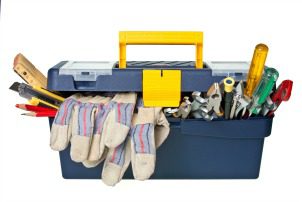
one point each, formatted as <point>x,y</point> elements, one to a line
<point>161,130</point>
<point>116,163</point>
<point>92,164</point>
<point>60,130</point>
<point>145,138</point>
<point>117,124</point>
<point>143,151</point>
<point>98,145</point>
<point>95,151</point>
<point>82,132</point>
<point>97,148</point>
<point>59,138</point>
<point>127,157</point>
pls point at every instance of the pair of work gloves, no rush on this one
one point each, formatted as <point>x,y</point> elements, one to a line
<point>118,130</point>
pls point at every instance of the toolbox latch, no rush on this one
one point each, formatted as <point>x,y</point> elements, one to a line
<point>161,88</point>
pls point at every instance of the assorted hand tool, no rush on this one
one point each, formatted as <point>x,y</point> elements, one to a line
<point>228,96</point>
<point>37,95</point>
<point>28,72</point>
<point>42,102</point>
<point>50,114</point>
<point>37,111</point>
<point>255,99</point>
<point>272,102</point>
<point>184,109</point>
<point>208,107</point>
<point>236,105</point>
<point>240,101</point>
<point>256,69</point>
<point>263,90</point>
<point>214,99</point>
<point>199,107</point>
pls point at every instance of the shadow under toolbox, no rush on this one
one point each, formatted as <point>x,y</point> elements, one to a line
<point>194,149</point>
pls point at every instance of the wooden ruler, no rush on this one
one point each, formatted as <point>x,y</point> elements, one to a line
<point>28,72</point>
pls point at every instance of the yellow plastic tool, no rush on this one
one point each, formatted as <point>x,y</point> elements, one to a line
<point>160,38</point>
<point>161,88</point>
<point>228,84</point>
<point>256,69</point>
<point>50,94</point>
<point>36,101</point>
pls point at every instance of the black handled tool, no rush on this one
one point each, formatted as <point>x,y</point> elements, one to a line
<point>228,96</point>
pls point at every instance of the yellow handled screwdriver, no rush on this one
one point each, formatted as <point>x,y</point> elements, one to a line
<point>256,69</point>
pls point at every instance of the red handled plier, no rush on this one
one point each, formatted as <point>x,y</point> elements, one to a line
<point>282,93</point>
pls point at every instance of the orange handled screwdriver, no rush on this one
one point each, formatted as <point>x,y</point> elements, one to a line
<point>256,69</point>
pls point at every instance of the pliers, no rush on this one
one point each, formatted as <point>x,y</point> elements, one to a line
<point>272,102</point>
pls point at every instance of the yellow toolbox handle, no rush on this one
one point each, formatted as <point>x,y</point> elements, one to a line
<point>160,38</point>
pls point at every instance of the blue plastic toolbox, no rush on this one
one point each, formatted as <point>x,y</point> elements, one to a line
<point>195,149</point>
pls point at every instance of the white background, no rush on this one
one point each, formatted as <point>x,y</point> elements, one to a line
<point>49,32</point>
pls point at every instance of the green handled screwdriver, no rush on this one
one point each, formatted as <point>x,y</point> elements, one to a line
<point>263,89</point>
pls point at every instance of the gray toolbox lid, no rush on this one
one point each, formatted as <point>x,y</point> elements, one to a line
<point>235,69</point>
<point>87,70</point>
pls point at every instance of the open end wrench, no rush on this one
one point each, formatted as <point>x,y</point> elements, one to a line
<point>239,90</point>
<point>184,109</point>
<point>244,102</point>
<point>198,101</point>
<point>236,98</point>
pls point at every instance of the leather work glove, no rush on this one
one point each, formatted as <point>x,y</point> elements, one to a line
<point>61,128</point>
<point>98,150</point>
<point>117,162</point>
<point>82,126</point>
<point>118,121</point>
<point>111,126</point>
<point>149,129</point>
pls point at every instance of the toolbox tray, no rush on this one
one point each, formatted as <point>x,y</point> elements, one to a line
<point>130,79</point>
<point>197,149</point>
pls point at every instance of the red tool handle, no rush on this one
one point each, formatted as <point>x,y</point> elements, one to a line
<point>283,92</point>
